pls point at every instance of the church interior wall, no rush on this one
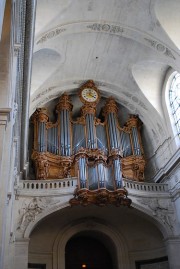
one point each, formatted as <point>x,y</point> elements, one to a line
<point>150,228</point>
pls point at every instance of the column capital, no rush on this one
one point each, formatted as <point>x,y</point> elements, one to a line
<point>5,116</point>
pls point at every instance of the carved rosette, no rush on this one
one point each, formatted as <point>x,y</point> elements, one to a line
<point>100,197</point>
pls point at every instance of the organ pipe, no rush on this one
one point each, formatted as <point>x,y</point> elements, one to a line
<point>40,118</point>
<point>117,173</point>
<point>82,172</point>
<point>110,112</point>
<point>134,124</point>
<point>63,109</point>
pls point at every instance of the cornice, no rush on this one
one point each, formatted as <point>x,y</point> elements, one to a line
<point>172,164</point>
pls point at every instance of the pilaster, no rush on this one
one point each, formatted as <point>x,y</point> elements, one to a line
<point>21,254</point>
<point>4,119</point>
<point>173,250</point>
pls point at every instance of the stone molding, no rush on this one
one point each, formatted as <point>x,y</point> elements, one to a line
<point>38,199</point>
<point>107,28</point>
<point>5,115</point>
<point>117,240</point>
<point>170,165</point>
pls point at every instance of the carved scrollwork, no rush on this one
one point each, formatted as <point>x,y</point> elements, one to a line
<point>101,197</point>
<point>41,164</point>
<point>133,167</point>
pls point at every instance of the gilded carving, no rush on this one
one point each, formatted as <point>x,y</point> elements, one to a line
<point>110,106</point>
<point>64,103</point>
<point>133,167</point>
<point>41,165</point>
<point>101,197</point>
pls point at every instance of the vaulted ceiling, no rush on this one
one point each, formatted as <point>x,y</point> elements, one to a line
<point>125,46</point>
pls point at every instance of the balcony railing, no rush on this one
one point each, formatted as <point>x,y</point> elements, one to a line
<point>51,187</point>
<point>144,186</point>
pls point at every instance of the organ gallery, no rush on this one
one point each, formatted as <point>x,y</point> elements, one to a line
<point>99,152</point>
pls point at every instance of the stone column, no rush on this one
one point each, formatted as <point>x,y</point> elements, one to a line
<point>2,7</point>
<point>21,254</point>
<point>4,118</point>
<point>173,252</point>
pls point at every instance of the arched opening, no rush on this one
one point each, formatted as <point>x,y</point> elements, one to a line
<point>86,251</point>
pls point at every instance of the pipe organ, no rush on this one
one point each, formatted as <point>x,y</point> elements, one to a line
<point>99,153</point>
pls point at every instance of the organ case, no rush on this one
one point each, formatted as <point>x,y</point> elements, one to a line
<point>99,153</point>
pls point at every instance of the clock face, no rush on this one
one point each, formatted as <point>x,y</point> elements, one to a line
<point>89,95</point>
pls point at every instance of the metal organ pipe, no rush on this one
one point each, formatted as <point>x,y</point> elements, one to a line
<point>41,137</point>
<point>82,172</point>
<point>68,133</point>
<point>62,133</point>
<point>63,108</point>
<point>136,145</point>
<point>126,144</point>
<point>90,131</point>
<point>65,133</point>
<point>134,124</point>
<point>117,173</point>
<point>114,129</point>
<point>110,132</point>
<point>101,175</point>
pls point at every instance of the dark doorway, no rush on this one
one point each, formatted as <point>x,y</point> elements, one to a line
<point>85,252</point>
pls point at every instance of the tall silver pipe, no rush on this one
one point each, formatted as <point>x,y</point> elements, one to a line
<point>113,129</point>
<point>110,118</point>
<point>39,137</point>
<point>88,132</point>
<point>67,122</point>
<point>117,174</point>
<point>61,133</point>
<point>92,131</point>
<point>44,136</point>
<point>28,52</point>
<point>54,140</point>
<point>136,141</point>
<point>110,132</point>
<point>64,137</point>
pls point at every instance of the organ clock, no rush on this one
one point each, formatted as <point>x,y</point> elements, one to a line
<point>99,153</point>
